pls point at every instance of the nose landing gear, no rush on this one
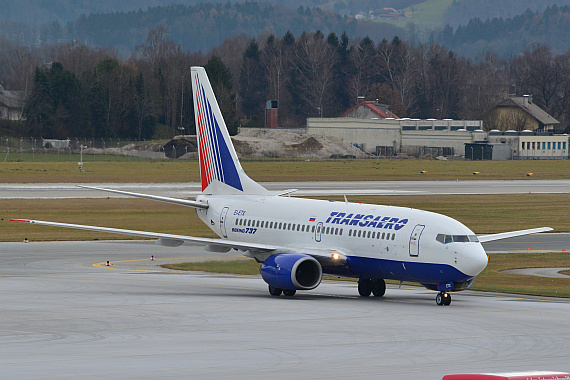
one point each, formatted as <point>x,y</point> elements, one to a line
<point>443,299</point>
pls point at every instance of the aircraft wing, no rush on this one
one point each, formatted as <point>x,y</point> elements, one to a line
<point>219,245</point>
<point>325,256</point>
<point>506,235</point>
<point>176,201</point>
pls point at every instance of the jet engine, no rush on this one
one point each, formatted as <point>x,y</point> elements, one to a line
<point>292,271</point>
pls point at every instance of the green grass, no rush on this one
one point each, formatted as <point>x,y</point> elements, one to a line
<point>494,279</point>
<point>249,267</point>
<point>428,13</point>
<point>135,170</point>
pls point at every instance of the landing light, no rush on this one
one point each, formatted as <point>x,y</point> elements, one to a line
<point>335,256</point>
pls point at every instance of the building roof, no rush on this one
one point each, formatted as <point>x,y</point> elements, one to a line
<point>11,99</point>
<point>360,110</point>
<point>525,103</point>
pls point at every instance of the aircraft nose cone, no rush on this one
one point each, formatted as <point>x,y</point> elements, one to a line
<point>475,260</point>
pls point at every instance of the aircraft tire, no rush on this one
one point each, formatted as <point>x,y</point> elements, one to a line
<point>379,288</point>
<point>289,292</point>
<point>275,291</point>
<point>439,299</point>
<point>443,299</point>
<point>365,286</point>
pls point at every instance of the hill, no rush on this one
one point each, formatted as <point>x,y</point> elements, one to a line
<point>511,36</point>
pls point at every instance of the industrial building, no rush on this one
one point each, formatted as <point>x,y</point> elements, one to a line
<point>411,136</point>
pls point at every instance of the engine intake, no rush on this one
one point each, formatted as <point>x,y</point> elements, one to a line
<point>292,271</point>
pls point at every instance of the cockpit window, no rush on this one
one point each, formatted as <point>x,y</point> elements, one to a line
<point>446,239</point>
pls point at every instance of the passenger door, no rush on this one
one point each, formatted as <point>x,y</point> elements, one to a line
<point>223,221</point>
<point>415,240</point>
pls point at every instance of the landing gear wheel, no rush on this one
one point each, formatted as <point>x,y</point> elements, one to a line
<point>443,299</point>
<point>379,287</point>
<point>365,286</point>
<point>289,292</point>
<point>438,298</point>
<point>275,291</point>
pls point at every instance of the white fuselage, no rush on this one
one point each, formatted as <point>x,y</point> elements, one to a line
<point>371,235</point>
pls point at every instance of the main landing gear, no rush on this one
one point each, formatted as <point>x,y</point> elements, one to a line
<point>277,291</point>
<point>367,286</point>
<point>443,299</point>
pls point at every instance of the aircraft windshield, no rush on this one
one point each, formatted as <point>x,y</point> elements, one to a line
<point>446,239</point>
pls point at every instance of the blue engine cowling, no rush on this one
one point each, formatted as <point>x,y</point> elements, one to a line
<point>292,271</point>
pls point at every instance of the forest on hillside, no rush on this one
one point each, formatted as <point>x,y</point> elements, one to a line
<point>96,93</point>
<point>502,26</point>
<point>511,36</point>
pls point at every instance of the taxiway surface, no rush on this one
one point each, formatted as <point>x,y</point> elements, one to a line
<point>310,188</point>
<point>66,314</point>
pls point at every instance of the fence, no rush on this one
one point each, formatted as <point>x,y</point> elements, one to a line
<point>76,149</point>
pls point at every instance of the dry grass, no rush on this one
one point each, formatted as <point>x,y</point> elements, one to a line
<point>275,170</point>
<point>136,214</point>
<point>482,213</point>
<point>489,213</point>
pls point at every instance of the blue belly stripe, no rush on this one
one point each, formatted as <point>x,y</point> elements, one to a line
<point>426,273</point>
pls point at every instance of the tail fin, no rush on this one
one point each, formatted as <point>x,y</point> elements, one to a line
<point>220,170</point>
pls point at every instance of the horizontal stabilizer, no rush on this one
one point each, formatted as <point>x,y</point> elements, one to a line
<point>176,201</point>
<point>506,235</point>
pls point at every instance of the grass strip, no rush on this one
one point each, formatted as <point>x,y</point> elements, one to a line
<point>281,170</point>
<point>493,278</point>
<point>482,213</point>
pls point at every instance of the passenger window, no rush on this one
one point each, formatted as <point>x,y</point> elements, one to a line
<point>341,232</point>
<point>303,228</point>
<point>313,229</point>
<point>359,233</point>
<point>257,224</point>
<point>349,232</point>
<point>383,235</point>
<point>368,235</point>
<point>393,236</point>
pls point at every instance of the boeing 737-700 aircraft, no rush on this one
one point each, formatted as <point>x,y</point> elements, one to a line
<point>298,240</point>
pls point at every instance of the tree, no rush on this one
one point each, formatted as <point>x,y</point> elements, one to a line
<point>314,60</point>
<point>221,81</point>
<point>252,83</point>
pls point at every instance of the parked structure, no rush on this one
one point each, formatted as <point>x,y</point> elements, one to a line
<point>11,105</point>
<point>529,145</point>
<point>520,113</point>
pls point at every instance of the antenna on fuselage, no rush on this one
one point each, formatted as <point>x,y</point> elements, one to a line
<point>345,200</point>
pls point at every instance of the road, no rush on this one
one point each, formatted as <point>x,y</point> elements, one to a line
<point>314,188</point>
<point>66,314</point>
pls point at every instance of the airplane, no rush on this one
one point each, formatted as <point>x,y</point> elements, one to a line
<point>298,240</point>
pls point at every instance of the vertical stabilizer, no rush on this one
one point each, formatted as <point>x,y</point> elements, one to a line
<point>220,170</point>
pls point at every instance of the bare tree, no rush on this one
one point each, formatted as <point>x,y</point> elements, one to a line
<point>314,60</point>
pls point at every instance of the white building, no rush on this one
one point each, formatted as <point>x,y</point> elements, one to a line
<point>410,136</point>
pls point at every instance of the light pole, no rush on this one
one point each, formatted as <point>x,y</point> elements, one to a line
<point>80,163</point>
